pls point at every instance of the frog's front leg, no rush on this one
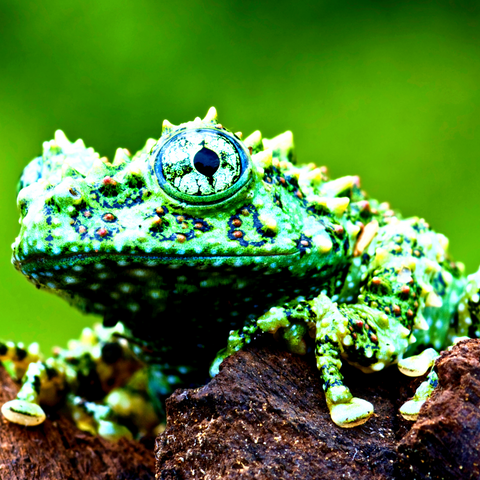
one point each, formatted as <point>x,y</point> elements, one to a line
<point>293,323</point>
<point>25,408</point>
<point>90,368</point>
<point>19,356</point>
<point>332,337</point>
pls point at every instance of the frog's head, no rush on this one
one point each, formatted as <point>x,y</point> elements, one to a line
<point>199,199</point>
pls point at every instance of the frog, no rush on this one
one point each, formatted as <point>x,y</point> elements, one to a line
<point>204,239</point>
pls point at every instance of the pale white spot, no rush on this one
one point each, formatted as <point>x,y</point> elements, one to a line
<point>138,272</point>
<point>78,268</point>
<point>70,279</point>
<point>125,287</point>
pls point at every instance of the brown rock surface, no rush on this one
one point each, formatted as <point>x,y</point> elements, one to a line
<point>444,443</point>
<point>57,450</point>
<point>264,416</point>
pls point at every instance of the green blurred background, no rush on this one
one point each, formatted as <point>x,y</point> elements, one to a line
<point>387,90</point>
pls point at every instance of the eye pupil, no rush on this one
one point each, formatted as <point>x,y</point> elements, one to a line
<point>206,162</point>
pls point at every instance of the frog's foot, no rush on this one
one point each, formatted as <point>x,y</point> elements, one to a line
<point>418,365</point>
<point>23,412</point>
<point>410,410</point>
<point>236,341</point>
<point>353,413</point>
<point>113,431</point>
<point>97,419</point>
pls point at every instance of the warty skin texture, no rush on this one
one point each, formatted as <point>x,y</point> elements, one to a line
<point>201,237</point>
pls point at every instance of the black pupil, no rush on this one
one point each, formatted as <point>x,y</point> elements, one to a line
<point>206,162</point>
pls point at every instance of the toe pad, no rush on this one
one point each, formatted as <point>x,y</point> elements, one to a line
<point>23,413</point>
<point>352,413</point>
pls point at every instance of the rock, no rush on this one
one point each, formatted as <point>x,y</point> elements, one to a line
<point>444,443</point>
<point>57,450</point>
<point>264,417</point>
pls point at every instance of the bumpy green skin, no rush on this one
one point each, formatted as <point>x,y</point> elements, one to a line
<point>187,253</point>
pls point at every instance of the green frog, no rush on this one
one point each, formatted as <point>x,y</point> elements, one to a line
<point>202,239</point>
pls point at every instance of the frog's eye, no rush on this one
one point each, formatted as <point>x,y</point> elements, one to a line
<point>202,166</point>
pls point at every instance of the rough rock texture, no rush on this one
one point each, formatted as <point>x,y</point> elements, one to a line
<point>264,416</point>
<point>57,450</point>
<point>444,443</point>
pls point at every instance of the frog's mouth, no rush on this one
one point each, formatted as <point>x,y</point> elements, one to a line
<point>67,271</point>
<point>35,263</point>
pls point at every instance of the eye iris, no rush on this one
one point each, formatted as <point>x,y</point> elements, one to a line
<point>206,162</point>
<point>202,165</point>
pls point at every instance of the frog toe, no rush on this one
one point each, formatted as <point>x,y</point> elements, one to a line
<point>113,431</point>
<point>418,365</point>
<point>24,413</point>
<point>410,410</point>
<point>352,413</point>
